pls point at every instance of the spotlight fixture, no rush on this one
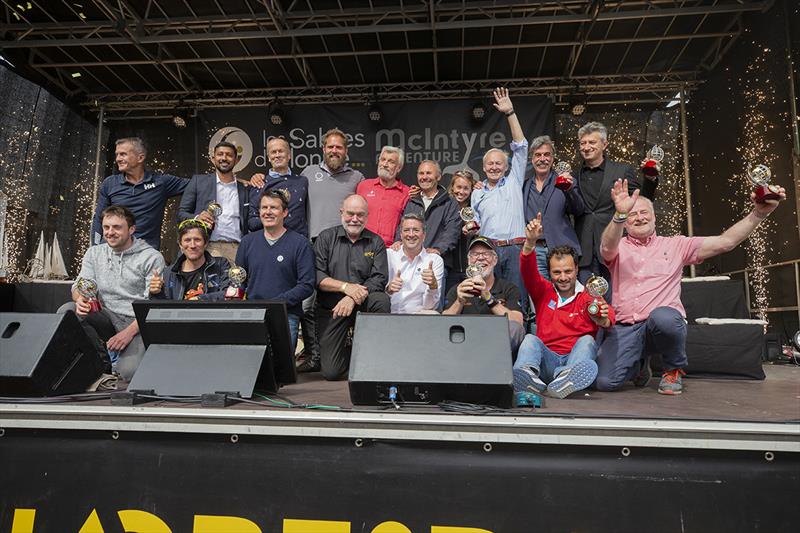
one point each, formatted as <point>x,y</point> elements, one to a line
<point>479,112</point>
<point>374,113</point>
<point>178,121</point>
<point>578,109</point>
<point>276,114</point>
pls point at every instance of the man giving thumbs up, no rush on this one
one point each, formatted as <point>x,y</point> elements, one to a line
<point>415,275</point>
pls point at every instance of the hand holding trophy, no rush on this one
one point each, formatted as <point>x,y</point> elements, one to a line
<point>651,167</point>
<point>468,216</point>
<point>759,176</point>
<point>597,287</point>
<point>237,276</point>
<point>211,214</point>
<point>87,288</point>
<point>563,172</point>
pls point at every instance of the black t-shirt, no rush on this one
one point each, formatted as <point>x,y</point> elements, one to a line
<point>192,283</point>
<point>504,291</point>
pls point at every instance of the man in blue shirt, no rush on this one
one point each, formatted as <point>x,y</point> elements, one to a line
<point>498,204</point>
<point>279,262</point>
<point>143,192</point>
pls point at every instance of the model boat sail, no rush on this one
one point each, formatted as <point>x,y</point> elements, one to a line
<point>37,266</point>
<point>57,268</point>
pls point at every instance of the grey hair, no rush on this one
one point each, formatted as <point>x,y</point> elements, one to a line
<point>136,142</point>
<point>413,215</point>
<point>498,150</point>
<point>434,163</point>
<point>395,150</point>
<point>539,142</point>
<point>593,127</point>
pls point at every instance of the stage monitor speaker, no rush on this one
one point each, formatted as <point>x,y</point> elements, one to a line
<point>428,359</point>
<point>45,355</point>
<point>196,348</point>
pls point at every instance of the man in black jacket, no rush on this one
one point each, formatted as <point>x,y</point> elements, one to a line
<point>440,211</point>
<point>596,177</point>
<point>195,274</point>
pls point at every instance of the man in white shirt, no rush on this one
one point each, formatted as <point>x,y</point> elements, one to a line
<point>415,275</point>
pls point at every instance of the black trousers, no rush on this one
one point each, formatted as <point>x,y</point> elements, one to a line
<point>333,346</point>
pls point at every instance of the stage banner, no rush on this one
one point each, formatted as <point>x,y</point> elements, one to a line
<point>441,130</point>
<point>70,481</point>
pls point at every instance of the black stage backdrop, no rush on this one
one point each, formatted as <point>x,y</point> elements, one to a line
<point>66,481</point>
<point>440,130</point>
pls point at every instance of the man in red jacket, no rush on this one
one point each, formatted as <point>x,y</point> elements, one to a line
<point>559,360</point>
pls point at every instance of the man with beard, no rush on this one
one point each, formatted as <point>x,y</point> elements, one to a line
<point>221,188</point>
<point>329,183</point>
<point>596,176</point>
<point>280,176</point>
<point>555,205</point>
<point>415,275</point>
<point>279,262</point>
<point>498,203</point>
<point>646,272</point>
<point>386,195</point>
<point>351,277</point>
<point>487,294</point>
<point>560,359</point>
<point>196,274</point>
<point>121,266</point>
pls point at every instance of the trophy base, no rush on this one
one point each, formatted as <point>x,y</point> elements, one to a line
<point>562,184</point>
<point>234,293</point>
<point>650,168</point>
<point>473,226</point>
<point>94,306</point>
<point>767,192</point>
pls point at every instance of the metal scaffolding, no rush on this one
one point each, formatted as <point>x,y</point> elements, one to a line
<point>155,55</point>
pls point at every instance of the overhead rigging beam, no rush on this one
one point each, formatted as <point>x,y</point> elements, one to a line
<point>383,28</point>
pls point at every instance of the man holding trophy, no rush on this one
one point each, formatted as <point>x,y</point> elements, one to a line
<point>114,274</point>
<point>560,359</point>
<point>646,282</point>
<point>275,263</point>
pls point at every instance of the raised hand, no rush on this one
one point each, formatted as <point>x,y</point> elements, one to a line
<point>763,209</point>
<point>533,232</point>
<point>395,285</point>
<point>429,278</point>
<point>623,202</point>
<point>156,282</point>
<point>502,101</point>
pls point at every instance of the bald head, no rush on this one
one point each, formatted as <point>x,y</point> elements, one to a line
<point>354,213</point>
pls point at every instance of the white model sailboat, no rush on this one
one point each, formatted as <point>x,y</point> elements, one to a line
<point>57,268</point>
<point>38,263</point>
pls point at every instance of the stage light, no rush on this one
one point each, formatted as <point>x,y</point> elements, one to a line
<point>578,109</point>
<point>76,74</point>
<point>276,114</point>
<point>478,112</point>
<point>374,113</point>
<point>178,121</point>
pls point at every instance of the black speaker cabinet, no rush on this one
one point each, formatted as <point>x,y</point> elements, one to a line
<point>45,355</point>
<point>427,359</point>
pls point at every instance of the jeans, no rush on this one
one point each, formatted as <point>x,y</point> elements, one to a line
<point>294,326</point>
<point>624,347</point>
<point>534,354</point>
<point>508,269</point>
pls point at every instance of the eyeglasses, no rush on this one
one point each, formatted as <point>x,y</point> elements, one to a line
<point>480,254</point>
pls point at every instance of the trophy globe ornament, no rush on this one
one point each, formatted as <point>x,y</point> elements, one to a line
<point>652,162</point>
<point>87,288</point>
<point>562,168</point>
<point>597,287</point>
<point>468,216</point>
<point>760,176</point>
<point>237,276</point>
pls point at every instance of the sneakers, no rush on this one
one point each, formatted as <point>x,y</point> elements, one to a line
<point>526,379</point>
<point>671,382</point>
<point>309,365</point>
<point>645,374</point>
<point>580,376</point>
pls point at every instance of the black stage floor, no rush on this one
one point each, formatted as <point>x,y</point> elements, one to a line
<point>775,399</point>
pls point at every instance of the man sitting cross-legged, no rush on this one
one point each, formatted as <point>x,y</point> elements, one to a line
<point>560,359</point>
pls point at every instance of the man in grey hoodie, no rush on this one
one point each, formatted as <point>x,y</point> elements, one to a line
<point>121,267</point>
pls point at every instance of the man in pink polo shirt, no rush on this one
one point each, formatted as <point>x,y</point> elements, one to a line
<point>386,195</point>
<point>646,283</point>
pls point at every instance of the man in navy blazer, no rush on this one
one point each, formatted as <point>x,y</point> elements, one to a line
<point>596,177</point>
<point>541,196</point>
<point>222,188</point>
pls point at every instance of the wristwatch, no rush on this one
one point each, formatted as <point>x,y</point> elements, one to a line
<point>619,218</point>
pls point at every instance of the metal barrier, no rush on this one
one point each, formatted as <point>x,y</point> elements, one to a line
<point>747,271</point>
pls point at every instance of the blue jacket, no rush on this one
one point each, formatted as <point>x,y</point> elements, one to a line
<point>146,200</point>
<point>202,190</point>
<point>215,279</point>
<point>298,202</point>
<point>558,228</point>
